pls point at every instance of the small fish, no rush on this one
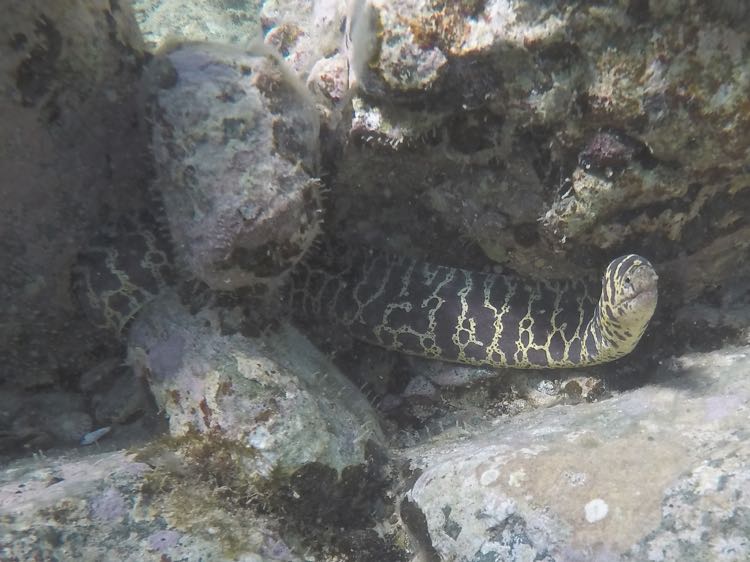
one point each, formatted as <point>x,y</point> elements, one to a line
<point>93,436</point>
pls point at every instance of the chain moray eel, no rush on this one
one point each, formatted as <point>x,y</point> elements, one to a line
<point>401,304</point>
<point>128,264</point>
<point>478,318</point>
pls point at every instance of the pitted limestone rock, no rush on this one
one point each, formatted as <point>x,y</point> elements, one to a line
<point>488,117</point>
<point>277,399</point>
<point>652,474</point>
<point>110,506</point>
<point>236,148</point>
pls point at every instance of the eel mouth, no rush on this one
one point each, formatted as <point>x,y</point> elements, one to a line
<point>647,296</point>
<point>651,293</point>
<point>645,280</point>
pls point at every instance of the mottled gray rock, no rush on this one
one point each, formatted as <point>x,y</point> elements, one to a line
<point>304,32</point>
<point>123,398</point>
<point>109,506</point>
<point>276,397</point>
<point>658,473</point>
<point>70,142</point>
<point>236,149</point>
<point>162,21</point>
<point>41,420</point>
<point>328,81</point>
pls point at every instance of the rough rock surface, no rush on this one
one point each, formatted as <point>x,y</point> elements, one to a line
<point>109,506</point>
<point>658,473</point>
<point>68,76</point>
<point>235,170</point>
<point>268,421</point>
<point>276,398</point>
<point>165,21</point>
<point>552,134</point>
<point>304,32</point>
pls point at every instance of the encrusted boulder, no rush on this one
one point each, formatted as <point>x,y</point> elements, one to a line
<point>112,506</point>
<point>658,473</point>
<point>164,21</point>
<point>274,401</point>
<point>235,139</point>
<point>304,32</point>
<point>553,139</point>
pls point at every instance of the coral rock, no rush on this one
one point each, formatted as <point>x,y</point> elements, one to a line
<point>236,149</point>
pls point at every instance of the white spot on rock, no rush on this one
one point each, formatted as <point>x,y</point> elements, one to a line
<point>709,479</point>
<point>575,479</point>
<point>516,478</point>
<point>489,476</point>
<point>596,510</point>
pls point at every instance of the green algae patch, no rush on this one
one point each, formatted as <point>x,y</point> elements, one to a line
<point>198,486</point>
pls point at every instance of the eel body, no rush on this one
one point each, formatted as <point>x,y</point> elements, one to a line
<point>478,318</point>
<point>401,304</point>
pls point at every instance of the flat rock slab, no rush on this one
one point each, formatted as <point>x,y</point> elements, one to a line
<point>106,507</point>
<point>659,473</point>
<point>73,507</point>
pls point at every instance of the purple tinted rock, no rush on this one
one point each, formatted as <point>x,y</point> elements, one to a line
<point>236,149</point>
<point>612,149</point>
<point>108,506</point>
<point>101,507</point>
<point>276,398</point>
<point>162,541</point>
<point>608,480</point>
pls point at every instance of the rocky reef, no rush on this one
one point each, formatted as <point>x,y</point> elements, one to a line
<point>552,135</point>
<point>543,138</point>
